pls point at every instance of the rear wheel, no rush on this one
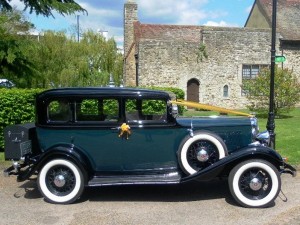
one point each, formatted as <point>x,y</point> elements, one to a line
<point>60,181</point>
<point>201,151</point>
<point>254,183</point>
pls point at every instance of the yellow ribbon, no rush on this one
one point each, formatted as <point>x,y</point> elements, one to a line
<point>209,107</point>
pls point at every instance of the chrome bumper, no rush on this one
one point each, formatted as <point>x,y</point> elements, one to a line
<point>16,169</point>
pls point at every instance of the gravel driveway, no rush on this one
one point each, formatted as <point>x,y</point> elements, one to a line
<point>193,203</point>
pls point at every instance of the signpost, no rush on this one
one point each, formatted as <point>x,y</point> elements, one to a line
<point>280,58</point>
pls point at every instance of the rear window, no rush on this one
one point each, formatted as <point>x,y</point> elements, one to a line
<point>59,110</point>
<point>83,110</point>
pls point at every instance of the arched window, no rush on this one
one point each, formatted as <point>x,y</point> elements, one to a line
<point>225,91</point>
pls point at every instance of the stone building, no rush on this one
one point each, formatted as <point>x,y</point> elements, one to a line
<point>174,55</point>
<point>288,26</point>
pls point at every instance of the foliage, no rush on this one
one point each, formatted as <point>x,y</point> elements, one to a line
<point>15,45</point>
<point>16,106</point>
<point>53,59</point>
<point>201,53</point>
<point>45,7</point>
<point>154,107</point>
<point>64,62</point>
<point>103,59</point>
<point>179,94</point>
<point>287,91</point>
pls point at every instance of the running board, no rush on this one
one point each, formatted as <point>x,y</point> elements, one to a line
<point>170,178</point>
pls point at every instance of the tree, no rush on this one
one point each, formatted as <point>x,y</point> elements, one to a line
<point>287,91</point>
<point>45,7</point>
<point>64,62</point>
<point>103,57</point>
<point>15,45</point>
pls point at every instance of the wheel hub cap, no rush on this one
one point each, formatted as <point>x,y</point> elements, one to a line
<point>202,155</point>
<point>59,180</point>
<point>255,184</point>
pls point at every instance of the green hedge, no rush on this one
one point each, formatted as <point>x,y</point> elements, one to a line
<point>16,106</point>
<point>177,91</point>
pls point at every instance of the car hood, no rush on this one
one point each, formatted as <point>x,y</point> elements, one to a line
<point>213,121</point>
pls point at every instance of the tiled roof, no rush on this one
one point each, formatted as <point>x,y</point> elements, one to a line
<point>288,17</point>
<point>167,32</point>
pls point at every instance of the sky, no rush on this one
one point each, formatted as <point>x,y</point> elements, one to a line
<point>107,15</point>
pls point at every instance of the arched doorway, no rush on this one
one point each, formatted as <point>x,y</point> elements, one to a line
<point>193,90</point>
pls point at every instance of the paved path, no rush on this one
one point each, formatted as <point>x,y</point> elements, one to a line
<point>194,203</point>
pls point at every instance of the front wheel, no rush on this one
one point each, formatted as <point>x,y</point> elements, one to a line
<point>200,151</point>
<point>60,181</point>
<point>254,183</point>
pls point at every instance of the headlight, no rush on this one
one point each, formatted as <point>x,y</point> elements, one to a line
<point>264,137</point>
<point>255,128</point>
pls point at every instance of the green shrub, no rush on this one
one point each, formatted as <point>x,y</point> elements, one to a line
<point>287,92</point>
<point>16,106</point>
<point>179,93</point>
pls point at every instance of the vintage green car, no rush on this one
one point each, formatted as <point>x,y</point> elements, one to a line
<point>120,136</point>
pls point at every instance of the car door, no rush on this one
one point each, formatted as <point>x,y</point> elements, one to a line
<point>99,120</point>
<point>153,140</point>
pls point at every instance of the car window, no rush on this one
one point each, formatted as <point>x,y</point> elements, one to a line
<point>148,110</point>
<point>59,110</point>
<point>111,109</point>
<point>90,110</point>
<point>97,110</point>
<point>154,107</point>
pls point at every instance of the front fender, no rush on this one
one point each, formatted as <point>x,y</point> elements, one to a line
<point>225,165</point>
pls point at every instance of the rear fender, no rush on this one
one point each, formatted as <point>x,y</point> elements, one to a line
<point>224,166</point>
<point>66,151</point>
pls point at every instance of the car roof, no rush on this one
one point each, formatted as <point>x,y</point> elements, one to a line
<point>103,91</point>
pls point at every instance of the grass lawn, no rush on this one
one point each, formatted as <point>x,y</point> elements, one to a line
<point>287,134</point>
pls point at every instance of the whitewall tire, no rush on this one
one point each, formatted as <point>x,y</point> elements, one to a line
<point>254,183</point>
<point>60,181</point>
<point>201,150</point>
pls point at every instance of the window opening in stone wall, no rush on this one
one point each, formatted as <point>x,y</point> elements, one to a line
<point>225,91</point>
<point>251,72</point>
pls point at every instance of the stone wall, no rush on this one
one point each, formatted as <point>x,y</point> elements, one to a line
<point>165,62</point>
<point>292,61</point>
